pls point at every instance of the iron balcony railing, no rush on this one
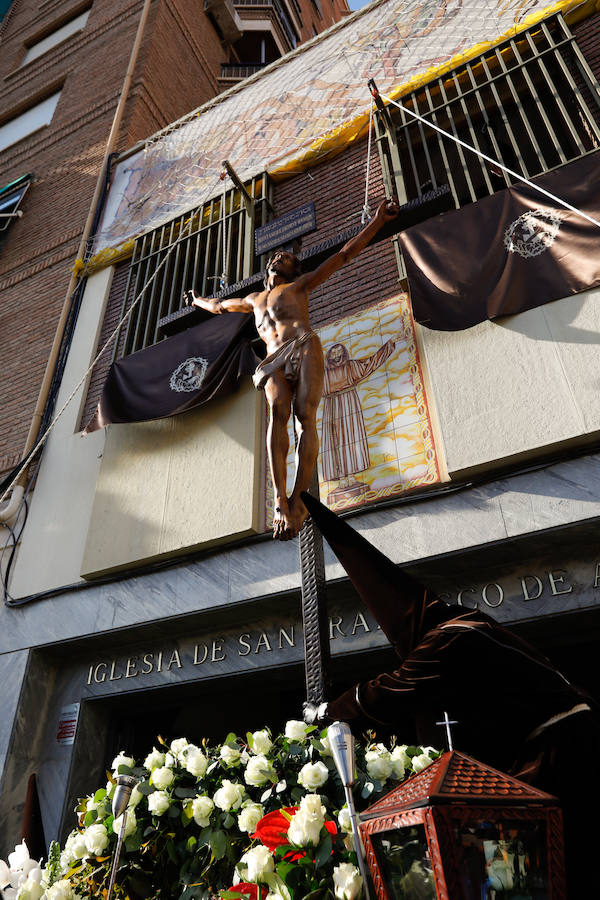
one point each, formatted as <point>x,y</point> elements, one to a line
<point>214,248</point>
<point>531,102</point>
<point>231,70</point>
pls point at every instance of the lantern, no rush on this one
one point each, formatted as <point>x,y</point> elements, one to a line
<point>460,830</point>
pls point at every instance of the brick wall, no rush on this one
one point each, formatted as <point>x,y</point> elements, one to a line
<point>177,68</point>
<point>337,188</point>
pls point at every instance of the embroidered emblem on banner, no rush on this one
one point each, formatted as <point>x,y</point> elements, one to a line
<point>189,375</point>
<point>533,232</point>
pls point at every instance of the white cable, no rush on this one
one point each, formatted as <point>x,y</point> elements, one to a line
<point>223,279</point>
<point>366,212</point>
<point>494,162</point>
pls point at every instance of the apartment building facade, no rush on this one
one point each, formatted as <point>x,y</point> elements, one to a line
<point>146,594</point>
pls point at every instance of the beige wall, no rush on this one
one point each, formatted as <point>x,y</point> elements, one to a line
<point>529,381</point>
<point>174,485</point>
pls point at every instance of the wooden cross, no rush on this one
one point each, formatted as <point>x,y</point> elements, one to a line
<point>314,607</point>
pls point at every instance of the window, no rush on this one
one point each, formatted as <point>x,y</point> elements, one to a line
<point>56,37</point>
<point>531,102</point>
<point>213,253</point>
<point>31,120</point>
<point>10,200</point>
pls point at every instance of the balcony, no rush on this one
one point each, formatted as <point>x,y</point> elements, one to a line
<point>267,15</point>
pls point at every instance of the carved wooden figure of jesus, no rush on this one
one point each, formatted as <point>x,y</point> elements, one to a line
<point>291,374</point>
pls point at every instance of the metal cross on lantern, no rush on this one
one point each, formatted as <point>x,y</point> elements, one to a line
<point>447,723</point>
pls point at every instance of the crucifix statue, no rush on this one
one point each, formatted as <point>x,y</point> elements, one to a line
<point>291,374</point>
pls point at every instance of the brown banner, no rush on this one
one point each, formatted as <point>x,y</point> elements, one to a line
<point>179,373</point>
<point>507,253</point>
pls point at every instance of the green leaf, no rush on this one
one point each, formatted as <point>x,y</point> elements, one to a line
<point>185,793</point>
<point>144,787</point>
<point>99,795</point>
<point>124,770</point>
<point>191,843</point>
<point>218,843</point>
<point>173,811</point>
<point>228,821</point>
<point>171,851</point>
<point>249,739</point>
<point>134,841</point>
<point>323,852</point>
<point>230,739</point>
<point>90,817</point>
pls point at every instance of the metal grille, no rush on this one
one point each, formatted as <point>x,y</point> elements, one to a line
<point>211,255</point>
<point>531,102</point>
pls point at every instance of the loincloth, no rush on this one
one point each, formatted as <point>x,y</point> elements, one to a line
<point>287,357</point>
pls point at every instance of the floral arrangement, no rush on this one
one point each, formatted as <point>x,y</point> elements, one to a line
<point>260,818</point>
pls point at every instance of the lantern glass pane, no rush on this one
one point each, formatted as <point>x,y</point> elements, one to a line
<point>498,860</point>
<point>404,862</point>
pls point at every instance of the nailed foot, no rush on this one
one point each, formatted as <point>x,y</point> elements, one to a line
<point>282,523</point>
<point>288,519</point>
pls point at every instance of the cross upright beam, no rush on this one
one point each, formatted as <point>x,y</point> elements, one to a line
<point>314,607</point>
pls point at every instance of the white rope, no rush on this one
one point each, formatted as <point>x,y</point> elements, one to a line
<point>96,359</point>
<point>223,279</point>
<point>494,162</point>
<point>366,212</point>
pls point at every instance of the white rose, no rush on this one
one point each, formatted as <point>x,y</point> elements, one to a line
<point>202,807</point>
<point>400,761</point>
<point>261,742</point>
<point>258,771</point>
<point>60,890</point>
<point>122,760</point>
<point>230,755</point>
<point>313,775</point>
<point>178,747</point>
<point>421,762</point>
<point>76,845</point>
<point>130,823</point>
<point>347,881</point>
<point>96,839</point>
<point>162,778</point>
<point>195,761</point>
<point>305,827</point>
<point>154,760</point>
<point>295,730</point>
<point>170,760</point>
<point>229,796</point>
<point>158,802</point>
<point>250,816</point>
<point>379,764</point>
<point>344,820</point>
<point>258,863</point>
